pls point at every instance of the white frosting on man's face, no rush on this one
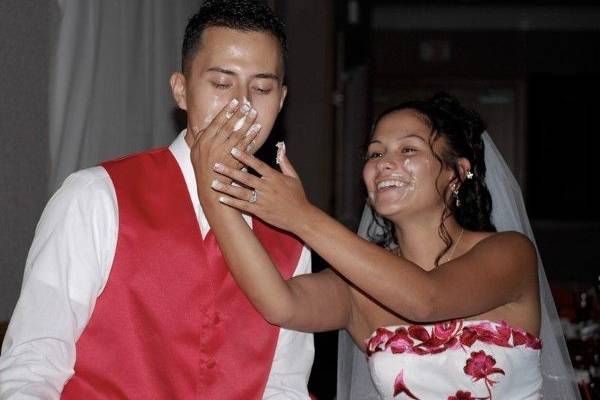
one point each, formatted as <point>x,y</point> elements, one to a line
<point>235,64</point>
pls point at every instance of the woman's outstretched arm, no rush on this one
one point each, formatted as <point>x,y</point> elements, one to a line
<point>313,302</point>
<point>495,272</point>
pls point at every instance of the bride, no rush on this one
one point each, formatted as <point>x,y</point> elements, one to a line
<point>442,304</point>
<point>508,214</point>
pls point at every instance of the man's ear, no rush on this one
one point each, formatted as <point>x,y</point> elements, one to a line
<point>177,82</point>
<point>283,96</point>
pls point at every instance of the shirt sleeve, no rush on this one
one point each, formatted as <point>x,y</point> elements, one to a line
<point>294,355</point>
<point>66,269</point>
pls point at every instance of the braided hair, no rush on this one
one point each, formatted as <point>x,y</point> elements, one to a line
<point>462,131</point>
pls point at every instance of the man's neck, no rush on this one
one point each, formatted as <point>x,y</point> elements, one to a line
<point>189,138</point>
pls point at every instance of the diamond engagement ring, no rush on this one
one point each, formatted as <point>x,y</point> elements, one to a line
<point>252,197</point>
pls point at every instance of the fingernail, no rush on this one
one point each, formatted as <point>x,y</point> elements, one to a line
<point>223,199</point>
<point>235,151</point>
<point>233,104</point>
<point>250,147</point>
<point>254,128</point>
<point>245,108</point>
<point>252,113</point>
<point>280,151</point>
<point>219,167</point>
<point>216,184</point>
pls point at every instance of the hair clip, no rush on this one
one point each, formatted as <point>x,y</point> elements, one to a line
<point>469,175</point>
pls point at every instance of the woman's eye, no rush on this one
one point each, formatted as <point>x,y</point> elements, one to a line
<point>373,154</point>
<point>408,150</point>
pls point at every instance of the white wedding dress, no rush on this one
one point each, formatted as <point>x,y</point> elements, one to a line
<point>456,360</point>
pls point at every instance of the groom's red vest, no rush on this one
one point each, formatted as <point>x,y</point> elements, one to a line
<point>171,322</point>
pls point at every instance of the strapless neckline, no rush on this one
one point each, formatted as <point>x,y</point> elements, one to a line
<point>455,360</point>
<point>434,338</point>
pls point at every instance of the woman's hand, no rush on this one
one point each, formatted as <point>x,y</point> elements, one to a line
<point>214,143</point>
<point>277,198</point>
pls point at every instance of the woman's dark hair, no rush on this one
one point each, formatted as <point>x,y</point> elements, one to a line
<point>242,15</point>
<point>461,130</point>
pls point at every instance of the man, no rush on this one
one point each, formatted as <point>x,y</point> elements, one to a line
<point>125,292</point>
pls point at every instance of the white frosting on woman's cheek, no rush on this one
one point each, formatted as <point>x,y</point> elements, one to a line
<point>411,170</point>
<point>409,167</point>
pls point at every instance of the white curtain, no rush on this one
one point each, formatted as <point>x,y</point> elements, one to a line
<point>109,89</point>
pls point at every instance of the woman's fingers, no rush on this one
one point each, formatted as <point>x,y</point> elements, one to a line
<point>237,175</point>
<point>235,191</point>
<point>243,141</point>
<point>242,205</point>
<point>196,133</point>
<point>262,168</point>
<point>226,113</point>
<point>239,123</point>
<point>286,166</point>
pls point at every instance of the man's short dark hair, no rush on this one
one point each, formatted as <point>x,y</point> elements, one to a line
<point>243,15</point>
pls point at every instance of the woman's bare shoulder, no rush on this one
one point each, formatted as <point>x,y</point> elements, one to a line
<point>509,245</point>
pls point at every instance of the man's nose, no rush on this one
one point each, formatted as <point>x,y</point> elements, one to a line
<point>243,94</point>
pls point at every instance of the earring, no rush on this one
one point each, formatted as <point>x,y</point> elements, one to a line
<point>455,189</point>
<point>469,175</point>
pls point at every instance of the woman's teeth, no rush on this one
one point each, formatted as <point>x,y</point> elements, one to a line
<point>389,183</point>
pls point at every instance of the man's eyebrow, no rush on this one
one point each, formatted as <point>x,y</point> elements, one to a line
<point>222,70</point>
<point>266,75</point>
<point>261,75</point>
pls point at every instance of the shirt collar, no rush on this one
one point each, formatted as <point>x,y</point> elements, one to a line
<point>181,151</point>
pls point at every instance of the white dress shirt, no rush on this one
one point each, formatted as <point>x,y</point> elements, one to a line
<point>67,268</point>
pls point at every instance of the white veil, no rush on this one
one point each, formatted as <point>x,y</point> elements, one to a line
<point>508,213</point>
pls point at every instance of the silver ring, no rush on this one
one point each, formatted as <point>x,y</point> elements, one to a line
<point>252,197</point>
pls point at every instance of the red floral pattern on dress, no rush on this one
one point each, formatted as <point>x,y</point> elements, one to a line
<point>520,337</point>
<point>400,342</point>
<point>400,386</point>
<point>460,395</point>
<point>448,335</point>
<point>416,339</point>
<point>379,340</point>
<point>486,333</point>
<point>481,366</point>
